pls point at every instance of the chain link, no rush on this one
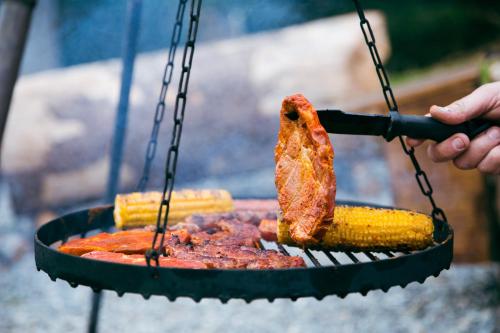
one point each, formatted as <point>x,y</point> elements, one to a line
<point>160,106</point>
<point>422,180</point>
<point>173,151</point>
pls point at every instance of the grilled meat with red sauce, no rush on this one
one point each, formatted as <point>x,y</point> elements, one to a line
<point>135,241</point>
<point>139,259</point>
<point>235,257</point>
<point>211,262</point>
<point>221,244</point>
<point>305,181</point>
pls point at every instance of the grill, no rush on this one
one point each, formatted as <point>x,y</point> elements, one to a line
<point>328,273</point>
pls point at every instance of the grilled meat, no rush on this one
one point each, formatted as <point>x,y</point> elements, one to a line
<point>222,238</point>
<point>235,257</point>
<point>227,232</point>
<point>210,262</point>
<point>267,229</point>
<point>222,243</point>
<point>136,241</point>
<point>139,259</point>
<point>188,226</point>
<point>249,216</point>
<point>304,178</point>
<point>273,263</point>
<point>241,230</point>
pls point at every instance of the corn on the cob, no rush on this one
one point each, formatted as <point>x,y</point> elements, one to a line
<point>140,209</point>
<point>366,228</point>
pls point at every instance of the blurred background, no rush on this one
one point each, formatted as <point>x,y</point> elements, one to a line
<point>55,154</point>
<point>71,32</point>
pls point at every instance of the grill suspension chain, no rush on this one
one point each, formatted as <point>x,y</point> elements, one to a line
<point>423,182</point>
<point>160,106</point>
<point>173,151</point>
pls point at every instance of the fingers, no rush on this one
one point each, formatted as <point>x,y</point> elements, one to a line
<point>478,149</point>
<point>449,149</point>
<point>484,101</point>
<point>482,153</point>
<point>491,163</point>
<point>414,142</point>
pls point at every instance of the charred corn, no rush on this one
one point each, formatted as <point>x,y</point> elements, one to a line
<point>140,209</point>
<point>366,228</point>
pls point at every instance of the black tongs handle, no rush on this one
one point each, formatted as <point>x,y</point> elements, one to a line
<point>420,127</point>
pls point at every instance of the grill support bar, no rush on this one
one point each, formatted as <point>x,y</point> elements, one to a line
<point>128,58</point>
<point>15,19</point>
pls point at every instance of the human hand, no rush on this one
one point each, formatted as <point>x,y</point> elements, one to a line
<point>483,152</point>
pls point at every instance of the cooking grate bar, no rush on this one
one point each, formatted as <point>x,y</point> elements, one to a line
<point>282,249</point>
<point>312,258</point>
<point>388,253</point>
<point>371,256</point>
<point>352,257</point>
<point>332,258</point>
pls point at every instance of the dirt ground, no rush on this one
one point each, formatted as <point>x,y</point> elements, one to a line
<point>462,299</point>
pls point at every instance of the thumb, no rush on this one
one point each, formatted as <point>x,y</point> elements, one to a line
<point>482,102</point>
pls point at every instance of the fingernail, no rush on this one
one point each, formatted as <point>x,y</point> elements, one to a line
<point>444,109</point>
<point>458,144</point>
<point>455,107</point>
<point>494,133</point>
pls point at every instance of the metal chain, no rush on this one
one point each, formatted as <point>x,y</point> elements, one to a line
<point>160,106</point>
<point>173,151</point>
<point>420,175</point>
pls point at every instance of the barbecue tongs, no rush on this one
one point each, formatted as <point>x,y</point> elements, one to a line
<point>395,124</point>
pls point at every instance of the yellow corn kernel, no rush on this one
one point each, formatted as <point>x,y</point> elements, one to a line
<point>366,228</point>
<point>141,208</point>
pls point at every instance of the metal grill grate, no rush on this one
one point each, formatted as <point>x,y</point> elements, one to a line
<point>327,272</point>
<point>311,257</point>
<point>325,258</point>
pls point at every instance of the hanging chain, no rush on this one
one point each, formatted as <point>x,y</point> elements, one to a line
<point>160,106</point>
<point>173,151</point>
<point>420,175</point>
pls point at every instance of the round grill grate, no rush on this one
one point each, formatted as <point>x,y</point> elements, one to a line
<point>328,273</point>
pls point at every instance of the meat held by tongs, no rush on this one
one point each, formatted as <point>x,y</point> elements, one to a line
<point>305,180</point>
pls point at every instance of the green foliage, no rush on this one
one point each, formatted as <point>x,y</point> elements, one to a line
<point>423,32</point>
